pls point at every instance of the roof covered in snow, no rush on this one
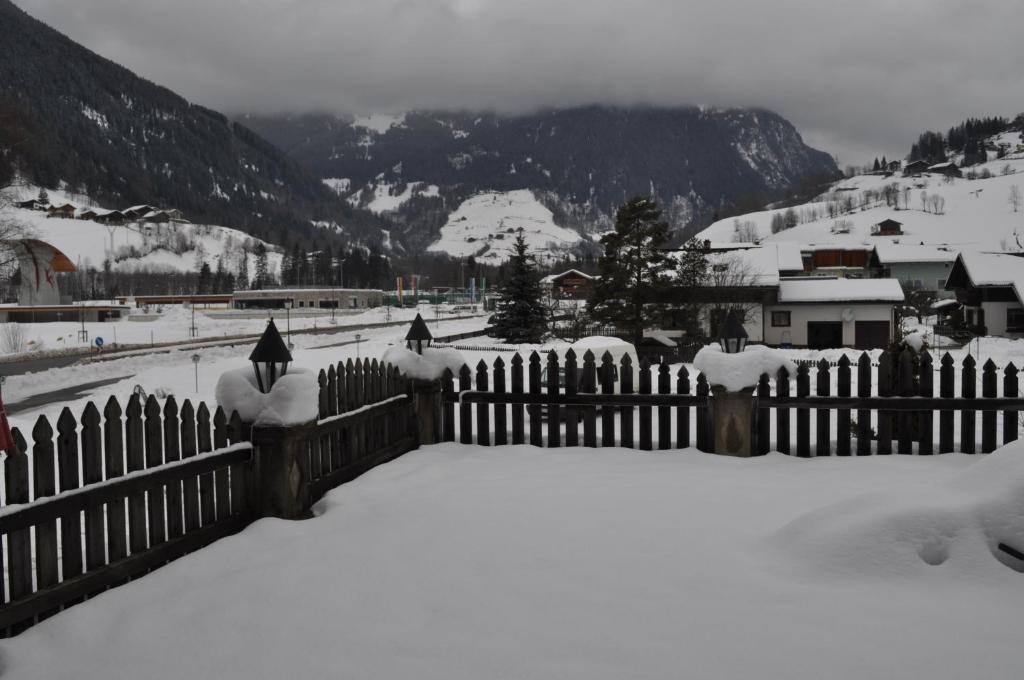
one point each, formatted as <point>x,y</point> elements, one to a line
<point>761,266</point>
<point>990,269</point>
<point>840,290</point>
<point>551,278</point>
<point>889,253</point>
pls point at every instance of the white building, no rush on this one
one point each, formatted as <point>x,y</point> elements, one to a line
<point>822,313</point>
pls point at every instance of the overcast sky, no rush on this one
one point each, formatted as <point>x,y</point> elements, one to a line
<point>858,78</point>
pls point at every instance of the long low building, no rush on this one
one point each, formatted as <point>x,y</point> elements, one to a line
<point>308,298</point>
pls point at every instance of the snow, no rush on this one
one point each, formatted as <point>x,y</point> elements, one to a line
<point>293,400</point>
<point>430,366</point>
<point>385,200</point>
<point>340,185</point>
<point>976,215</point>
<point>891,253</point>
<point>990,269</point>
<point>914,341</point>
<point>485,226</point>
<point>957,523</point>
<point>756,266</point>
<point>379,122</point>
<point>734,372</point>
<point>460,562</point>
<point>840,290</point>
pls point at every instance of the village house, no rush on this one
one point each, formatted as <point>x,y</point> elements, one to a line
<point>916,267</point>
<point>834,259</point>
<point>887,227</point>
<point>824,313</point>
<point>915,168</point>
<point>64,211</point>
<point>948,169</point>
<point>990,289</point>
<point>571,284</point>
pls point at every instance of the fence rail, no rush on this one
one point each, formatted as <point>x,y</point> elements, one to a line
<point>109,497</point>
<point>856,408</point>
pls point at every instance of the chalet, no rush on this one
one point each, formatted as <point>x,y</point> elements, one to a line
<point>109,217</point>
<point>572,284</point>
<point>822,313</point>
<point>893,166</point>
<point>31,204</point>
<point>916,267</point>
<point>948,169</point>
<point>137,211</point>
<point>887,227</point>
<point>915,168</point>
<point>990,287</point>
<point>66,211</point>
<point>86,214</point>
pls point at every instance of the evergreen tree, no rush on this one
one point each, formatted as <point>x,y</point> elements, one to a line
<point>205,280</point>
<point>521,316</point>
<point>262,274</point>
<point>43,197</point>
<point>242,277</point>
<point>633,272</point>
<point>875,167</point>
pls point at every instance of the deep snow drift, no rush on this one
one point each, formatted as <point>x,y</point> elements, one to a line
<point>515,562</point>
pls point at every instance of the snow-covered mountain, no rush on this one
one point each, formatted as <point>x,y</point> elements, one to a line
<point>486,225</point>
<point>975,212</point>
<point>582,162</point>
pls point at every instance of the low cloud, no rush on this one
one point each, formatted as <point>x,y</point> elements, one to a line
<point>858,79</point>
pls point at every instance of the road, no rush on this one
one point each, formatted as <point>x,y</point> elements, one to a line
<point>63,394</point>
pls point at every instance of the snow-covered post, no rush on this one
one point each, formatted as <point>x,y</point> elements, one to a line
<point>732,378</point>
<point>424,371</point>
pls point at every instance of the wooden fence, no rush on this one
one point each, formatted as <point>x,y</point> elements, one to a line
<point>109,497</point>
<point>655,406</point>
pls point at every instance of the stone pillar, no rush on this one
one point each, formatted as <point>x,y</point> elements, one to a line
<point>733,421</point>
<point>279,485</point>
<point>426,395</point>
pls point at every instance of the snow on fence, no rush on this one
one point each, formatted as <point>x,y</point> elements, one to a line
<point>106,499</point>
<point>863,411</point>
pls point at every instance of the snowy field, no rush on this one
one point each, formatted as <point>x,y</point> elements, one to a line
<point>462,562</point>
<point>173,372</point>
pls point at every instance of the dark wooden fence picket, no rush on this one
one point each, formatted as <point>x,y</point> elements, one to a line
<point>535,410</point>
<point>664,412</point>
<point>990,389</point>
<point>823,445</point>
<point>803,414</point>
<point>844,433</point>
<point>572,414</point>
<point>782,386</point>
<point>554,410</point>
<point>625,410</point>
<point>1010,418</point>
<point>968,390</point>
<point>683,412</point>
<point>864,432</point>
<point>946,391</point>
<point>500,410</point>
<point>925,389</point>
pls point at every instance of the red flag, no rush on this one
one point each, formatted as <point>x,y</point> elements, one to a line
<point>6,438</point>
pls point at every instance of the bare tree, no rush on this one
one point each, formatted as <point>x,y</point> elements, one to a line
<point>744,232</point>
<point>730,283</point>
<point>1015,198</point>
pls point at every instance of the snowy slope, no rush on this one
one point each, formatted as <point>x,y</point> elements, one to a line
<point>386,196</point>
<point>485,226</point>
<point>164,247</point>
<point>976,214</point>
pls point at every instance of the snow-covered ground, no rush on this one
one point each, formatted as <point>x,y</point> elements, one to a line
<point>976,215</point>
<point>386,198</point>
<point>158,247</point>
<point>464,562</point>
<point>485,226</point>
<point>172,371</point>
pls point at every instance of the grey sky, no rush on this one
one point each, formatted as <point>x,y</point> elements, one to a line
<point>858,79</point>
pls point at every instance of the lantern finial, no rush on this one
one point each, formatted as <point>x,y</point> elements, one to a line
<point>733,337</point>
<point>270,357</point>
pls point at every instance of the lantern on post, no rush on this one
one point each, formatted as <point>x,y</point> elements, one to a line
<point>733,339</point>
<point>270,358</point>
<point>418,336</point>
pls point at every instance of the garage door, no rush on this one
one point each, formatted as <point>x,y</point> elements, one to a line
<point>824,334</point>
<point>871,334</point>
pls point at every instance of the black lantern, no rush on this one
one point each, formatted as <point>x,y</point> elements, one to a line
<point>270,358</point>
<point>734,337</point>
<point>418,336</point>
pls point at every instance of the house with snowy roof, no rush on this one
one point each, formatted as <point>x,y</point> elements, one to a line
<point>828,312</point>
<point>990,289</point>
<point>915,168</point>
<point>887,227</point>
<point>571,284</point>
<point>949,169</point>
<point>915,266</point>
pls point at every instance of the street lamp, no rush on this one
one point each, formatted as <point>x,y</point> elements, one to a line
<point>195,363</point>
<point>269,358</point>
<point>733,338</point>
<point>418,336</point>
<point>192,332</point>
<point>83,335</point>
<point>288,313</point>
<point>358,338</point>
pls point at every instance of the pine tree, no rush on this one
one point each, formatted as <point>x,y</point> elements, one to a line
<point>875,167</point>
<point>262,273</point>
<point>43,198</point>
<point>521,316</point>
<point>242,276</point>
<point>633,271</point>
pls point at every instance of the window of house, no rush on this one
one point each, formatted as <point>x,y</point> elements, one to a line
<point>780,319</point>
<point>1015,319</point>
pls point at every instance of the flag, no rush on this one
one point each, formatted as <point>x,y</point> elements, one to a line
<point>6,438</point>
